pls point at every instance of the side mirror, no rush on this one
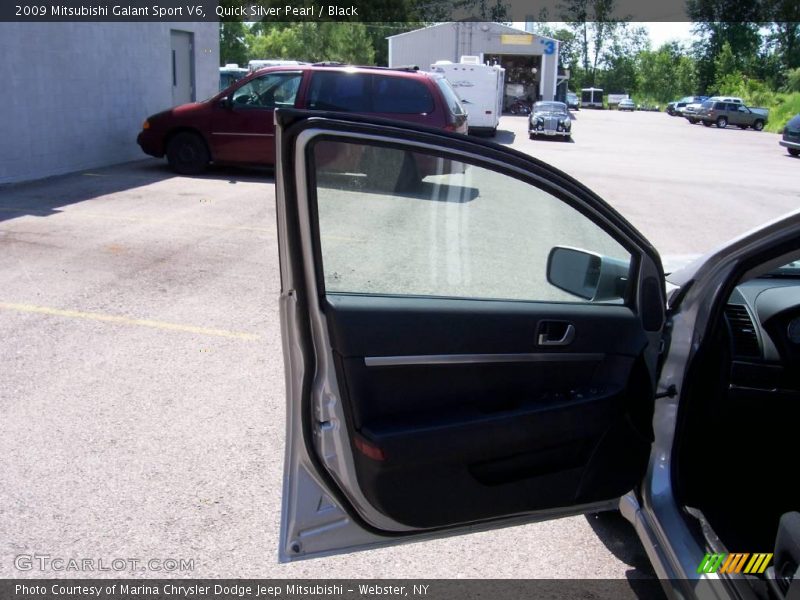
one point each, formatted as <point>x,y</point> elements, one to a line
<point>587,275</point>
<point>226,103</point>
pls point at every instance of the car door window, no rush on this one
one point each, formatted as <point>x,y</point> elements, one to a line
<point>272,90</point>
<point>463,232</point>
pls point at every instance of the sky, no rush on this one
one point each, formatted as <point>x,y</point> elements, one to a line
<point>665,32</point>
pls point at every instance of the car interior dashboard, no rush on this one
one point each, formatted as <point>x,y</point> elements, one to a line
<point>763,321</point>
<point>739,422</point>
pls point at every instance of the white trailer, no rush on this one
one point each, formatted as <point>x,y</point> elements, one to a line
<point>480,88</point>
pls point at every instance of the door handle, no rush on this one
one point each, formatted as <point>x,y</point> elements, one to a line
<point>555,333</point>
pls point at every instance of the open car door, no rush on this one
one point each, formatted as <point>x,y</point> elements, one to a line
<point>470,337</point>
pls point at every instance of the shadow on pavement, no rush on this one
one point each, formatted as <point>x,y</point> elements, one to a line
<point>619,537</point>
<point>44,197</point>
<point>554,139</point>
<point>503,136</point>
<point>425,190</point>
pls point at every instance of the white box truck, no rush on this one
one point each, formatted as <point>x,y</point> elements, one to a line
<point>480,88</point>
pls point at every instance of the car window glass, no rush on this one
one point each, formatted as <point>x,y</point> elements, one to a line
<point>268,91</point>
<point>400,95</point>
<point>397,222</point>
<point>450,96</point>
<point>340,91</point>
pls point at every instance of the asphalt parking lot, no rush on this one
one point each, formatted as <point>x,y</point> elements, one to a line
<point>142,390</point>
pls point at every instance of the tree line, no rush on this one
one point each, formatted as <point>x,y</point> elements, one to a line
<point>752,46</point>
<point>737,45</point>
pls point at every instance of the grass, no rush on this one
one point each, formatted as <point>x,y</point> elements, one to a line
<point>782,108</point>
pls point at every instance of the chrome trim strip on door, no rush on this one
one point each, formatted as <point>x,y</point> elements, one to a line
<point>469,359</point>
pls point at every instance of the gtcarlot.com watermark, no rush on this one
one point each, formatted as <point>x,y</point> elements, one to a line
<point>46,562</point>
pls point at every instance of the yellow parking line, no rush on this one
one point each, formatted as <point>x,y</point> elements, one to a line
<point>127,218</point>
<point>75,314</point>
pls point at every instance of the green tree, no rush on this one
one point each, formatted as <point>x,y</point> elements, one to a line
<point>233,43</point>
<point>378,32</point>
<point>793,81</point>
<point>619,57</point>
<point>720,21</point>
<point>595,27</point>
<point>313,42</point>
<point>727,71</point>
<point>665,74</point>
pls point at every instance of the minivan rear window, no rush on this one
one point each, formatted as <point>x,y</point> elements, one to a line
<point>450,97</point>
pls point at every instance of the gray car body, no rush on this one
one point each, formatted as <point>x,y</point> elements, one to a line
<point>791,136</point>
<point>736,114</point>
<point>695,292</point>
<point>550,115</point>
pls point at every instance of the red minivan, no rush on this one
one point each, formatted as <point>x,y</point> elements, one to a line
<point>236,126</point>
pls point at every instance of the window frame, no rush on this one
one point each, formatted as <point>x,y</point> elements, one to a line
<point>283,74</point>
<point>481,161</point>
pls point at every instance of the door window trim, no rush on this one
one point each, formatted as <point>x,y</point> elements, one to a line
<point>236,107</point>
<point>309,137</point>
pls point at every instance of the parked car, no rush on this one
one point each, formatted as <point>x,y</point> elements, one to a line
<point>236,126</point>
<point>573,101</point>
<point>257,64</point>
<point>690,110</point>
<point>550,119</point>
<point>722,114</point>
<point>626,104</point>
<point>230,74</point>
<point>791,136</point>
<point>549,371</point>
<point>676,108</point>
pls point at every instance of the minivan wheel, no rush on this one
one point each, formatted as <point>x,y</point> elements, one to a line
<point>794,151</point>
<point>758,125</point>
<point>693,121</point>
<point>722,122</point>
<point>706,123</point>
<point>187,154</point>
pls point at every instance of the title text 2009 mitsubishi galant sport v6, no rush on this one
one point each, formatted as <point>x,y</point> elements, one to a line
<point>236,126</point>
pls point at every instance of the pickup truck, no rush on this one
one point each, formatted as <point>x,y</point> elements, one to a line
<point>722,114</point>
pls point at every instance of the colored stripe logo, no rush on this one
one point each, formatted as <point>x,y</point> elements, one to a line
<point>737,562</point>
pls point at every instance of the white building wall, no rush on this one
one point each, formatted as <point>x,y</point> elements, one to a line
<point>417,47</point>
<point>451,41</point>
<point>76,93</point>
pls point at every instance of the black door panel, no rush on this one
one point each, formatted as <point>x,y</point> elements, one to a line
<point>457,401</point>
<point>365,326</point>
